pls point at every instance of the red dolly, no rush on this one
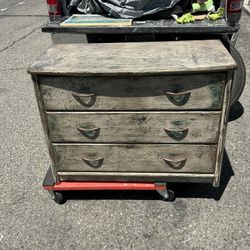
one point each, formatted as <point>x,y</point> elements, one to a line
<point>56,190</point>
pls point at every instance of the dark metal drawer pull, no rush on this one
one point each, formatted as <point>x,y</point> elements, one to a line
<point>175,164</point>
<point>96,163</point>
<point>90,133</point>
<point>178,99</point>
<point>178,134</point>
<point>87,100</point>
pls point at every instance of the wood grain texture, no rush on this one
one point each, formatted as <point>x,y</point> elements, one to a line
<point>133,93</point>
<point>134,58</point>
<point>45,127</point>
<point>136,177</point>
<point>134,127</point>
<point>135,157</point>
<point>223,130</point>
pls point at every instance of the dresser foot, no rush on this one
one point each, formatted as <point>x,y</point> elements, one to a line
<point>49,184</point>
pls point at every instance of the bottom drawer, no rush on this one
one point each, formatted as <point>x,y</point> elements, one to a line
<point>154,158</point>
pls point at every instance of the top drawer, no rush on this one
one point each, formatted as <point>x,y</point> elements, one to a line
<point>175,92</point>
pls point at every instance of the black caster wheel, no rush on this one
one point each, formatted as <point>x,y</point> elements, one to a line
<point>167,195</point>
<point>171,195</point>
<point>58,197</point>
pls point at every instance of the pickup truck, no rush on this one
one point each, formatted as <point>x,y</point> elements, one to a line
<point>225,29</point>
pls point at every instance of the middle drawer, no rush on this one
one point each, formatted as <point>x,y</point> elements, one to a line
<point>134,127</point>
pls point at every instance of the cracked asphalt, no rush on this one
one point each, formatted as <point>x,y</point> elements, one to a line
<point>200,218</point>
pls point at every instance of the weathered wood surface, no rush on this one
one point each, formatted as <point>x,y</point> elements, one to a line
<point>45,127</point>
<point>223,130</point>
<point>135,157</point>
<point>133,127</point>
<point>134,58</point>
<point>136,177</point>
<point>198,92</point>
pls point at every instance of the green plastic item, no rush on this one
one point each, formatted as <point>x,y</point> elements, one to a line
<point>217,15</point>
<point>187,18</point>
<point>207,6</point>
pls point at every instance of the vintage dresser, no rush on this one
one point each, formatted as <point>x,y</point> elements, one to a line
<point>154,112</point>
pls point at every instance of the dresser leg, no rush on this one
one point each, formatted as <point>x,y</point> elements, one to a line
<point>48,184</point>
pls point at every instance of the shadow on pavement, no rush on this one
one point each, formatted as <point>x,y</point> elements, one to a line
<point>187,190</point>
<point>199,190</point>
<point>236,111</point>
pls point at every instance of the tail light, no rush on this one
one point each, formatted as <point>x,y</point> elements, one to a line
<point>234,6</point>
<point>234,10</point>
<point>54,7</point>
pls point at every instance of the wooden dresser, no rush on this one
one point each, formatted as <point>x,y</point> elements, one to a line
<point>154,112</point>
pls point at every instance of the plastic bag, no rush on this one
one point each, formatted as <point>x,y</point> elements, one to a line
<point>123,8</point>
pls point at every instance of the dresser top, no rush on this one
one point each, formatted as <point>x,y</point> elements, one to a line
<point>147,58</point>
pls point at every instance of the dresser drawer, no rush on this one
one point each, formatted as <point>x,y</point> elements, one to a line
<point>177,92</point>
<point>147,127</point>
<point>135,157</point>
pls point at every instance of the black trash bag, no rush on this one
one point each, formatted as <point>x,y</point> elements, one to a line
<point>86,6</point>
<point>130,8</point>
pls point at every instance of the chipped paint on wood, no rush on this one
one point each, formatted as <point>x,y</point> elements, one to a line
<point>146,127</point>
<point>133,93</point>
<point>136,157</point>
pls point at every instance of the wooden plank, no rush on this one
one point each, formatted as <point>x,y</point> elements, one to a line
<point>79,20</point>
<point>134,127</point>
<point>148,58</point>
<point>138,177</point>
<point>134,93</point>
<point>135,157</point>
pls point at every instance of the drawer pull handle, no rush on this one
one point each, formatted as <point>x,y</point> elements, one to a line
<point>177,135</point>
<point>96,163</point>
<point>87,100</point>
<point>175,164</point>
<point>179,99</point>
<point>90,133</point>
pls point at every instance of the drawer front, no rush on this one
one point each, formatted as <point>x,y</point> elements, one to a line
<point>147,127</point>
<point>135,158</point>
<point>179,92</point>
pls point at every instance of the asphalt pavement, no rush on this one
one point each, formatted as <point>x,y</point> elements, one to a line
<point>200,218</point>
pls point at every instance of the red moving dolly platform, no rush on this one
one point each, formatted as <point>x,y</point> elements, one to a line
<point>56,190</point>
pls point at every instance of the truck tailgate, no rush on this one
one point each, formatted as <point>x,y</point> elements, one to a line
<point>149,27</point>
